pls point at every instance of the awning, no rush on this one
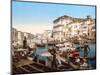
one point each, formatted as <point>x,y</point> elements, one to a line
<point>46,54</point>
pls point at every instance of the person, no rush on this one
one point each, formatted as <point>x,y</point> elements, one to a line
<point>58,59</point>
<point>86,49</point>
<point>53,53</point>
<point>24,43</point>
<point>29,50</point>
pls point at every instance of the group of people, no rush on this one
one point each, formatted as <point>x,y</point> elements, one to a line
<point>56,54</point>
<point>82,62</point>
<point>27,50</point>
<point>56,61</point>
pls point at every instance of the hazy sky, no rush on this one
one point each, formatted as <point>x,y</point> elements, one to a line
<point>37,17</point>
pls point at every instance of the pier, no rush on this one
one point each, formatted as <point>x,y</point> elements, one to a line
<point>27,66</point>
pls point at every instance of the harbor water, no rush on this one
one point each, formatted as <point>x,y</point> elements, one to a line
<point>91,54</point>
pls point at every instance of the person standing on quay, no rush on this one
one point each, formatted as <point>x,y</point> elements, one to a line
<point>24,43</point>
<point>53,53</point>
<point>86,49</point>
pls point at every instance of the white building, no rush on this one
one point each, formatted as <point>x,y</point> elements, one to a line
<point>92,30</point>
<point>38,38</point>
<point>20,37</point>
<point>66,27</point>
<point>14,35</point>
<point>74,29</point>
<point>58,32</point>
<point>47,35</point>
<point>59,27</point>
<point>87,26</point>
<point>29,37</point>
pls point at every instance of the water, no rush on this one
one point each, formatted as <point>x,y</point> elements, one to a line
<point>92,53</point>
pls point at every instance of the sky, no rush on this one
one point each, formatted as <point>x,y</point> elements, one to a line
<point>37,17</point>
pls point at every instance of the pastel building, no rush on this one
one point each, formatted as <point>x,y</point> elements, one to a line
<point>14,35</point>
<point>88,28</point>
<point>60,28</point>
<point>66,27</point>
<point>74,28</point>
<point>29,37</point>
<point>20,37</point>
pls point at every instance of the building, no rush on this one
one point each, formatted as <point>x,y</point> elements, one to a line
<point>92,30</point>
<point>29,37</point>
<point>74,29</point>
<point>47,36</point>
<point>20,37</point>
<point>14,35</point>
<point>66,27</point>
<point>60,28</point>
<point>88,28</point>
<point>58,32</point>
<point>38,38</point>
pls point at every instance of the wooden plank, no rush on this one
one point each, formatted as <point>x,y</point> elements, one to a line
<point>46,67</point>
<point>25,69</point>
<point>41,64</point>
<point>36,68</point>
<point>23,62</point>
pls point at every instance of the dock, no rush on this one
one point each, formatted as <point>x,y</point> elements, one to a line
<point>27,66</point>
